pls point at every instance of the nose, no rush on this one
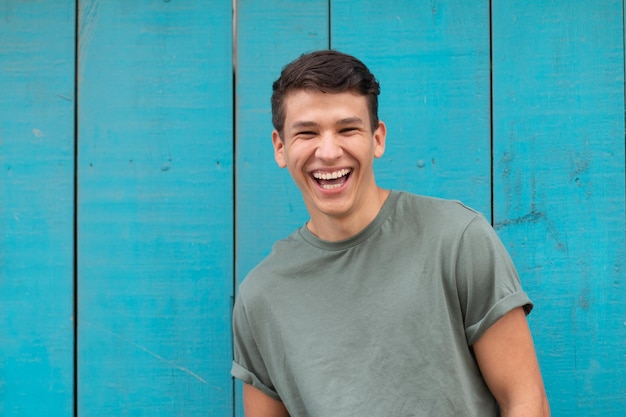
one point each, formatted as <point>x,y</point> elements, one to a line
<point>328,147</point>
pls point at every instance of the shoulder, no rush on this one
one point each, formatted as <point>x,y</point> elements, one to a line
<point>267,274</point>
<point>438,215</point>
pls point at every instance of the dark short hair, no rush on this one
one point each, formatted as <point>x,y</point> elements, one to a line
<point>328,71</point>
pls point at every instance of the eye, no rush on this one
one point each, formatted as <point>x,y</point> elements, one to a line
<point>349,131</point>
<point>307,134</point>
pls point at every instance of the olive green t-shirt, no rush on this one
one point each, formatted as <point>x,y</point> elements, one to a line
<point>380,324</point>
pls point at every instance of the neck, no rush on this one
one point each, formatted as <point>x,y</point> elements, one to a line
<point>334,229</point>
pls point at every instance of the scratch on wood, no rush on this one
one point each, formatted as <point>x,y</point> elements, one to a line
<point>153,354</point>
<point>536,217</point>
<point>149,352</point>
<point>532,217</point>
<point>88,22</point>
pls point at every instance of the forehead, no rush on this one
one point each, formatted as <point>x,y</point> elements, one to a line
<point>302,105</point>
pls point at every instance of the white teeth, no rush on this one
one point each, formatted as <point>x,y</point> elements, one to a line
<point>330,175</point>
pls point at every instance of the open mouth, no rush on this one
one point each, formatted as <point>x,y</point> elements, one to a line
<point>330,180</point>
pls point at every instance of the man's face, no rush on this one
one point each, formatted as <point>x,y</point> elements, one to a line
<point>329,149</point>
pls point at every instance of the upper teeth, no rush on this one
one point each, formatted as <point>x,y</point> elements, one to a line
<point>330,175</point>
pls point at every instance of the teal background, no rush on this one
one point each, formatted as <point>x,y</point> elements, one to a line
<point>138,187</point>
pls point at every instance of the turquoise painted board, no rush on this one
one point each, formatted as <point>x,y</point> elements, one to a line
<point>155,208</point>
<point>558,91</point>
<point>156,191</point>
<point>36,208</point>
<point>432,60</point>
<point>269,205</point>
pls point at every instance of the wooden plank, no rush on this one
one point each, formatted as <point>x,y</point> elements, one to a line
<point>36,208</point>
<point>269,206</point>
<point>155,216</point>
<point>558,88</point>
<point>432,60</point>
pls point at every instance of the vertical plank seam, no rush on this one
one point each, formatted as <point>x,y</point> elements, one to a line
<point>491,115</point>
<point>624,68</point>
<point>75,224</point>
<point>234,191</point>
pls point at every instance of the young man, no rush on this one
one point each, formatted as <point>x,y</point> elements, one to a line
<point>384,303</point>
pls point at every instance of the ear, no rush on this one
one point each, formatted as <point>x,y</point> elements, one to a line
<point>279,149</point>
<point>380,137</point>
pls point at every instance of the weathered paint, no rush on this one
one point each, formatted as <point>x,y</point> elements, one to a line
<point>36,208</point>
<point>558,99</point>
<point>155,217</point>
<point>156,195</point>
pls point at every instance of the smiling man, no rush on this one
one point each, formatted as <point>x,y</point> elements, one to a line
<point>384,303</point>
<point>328,145</point>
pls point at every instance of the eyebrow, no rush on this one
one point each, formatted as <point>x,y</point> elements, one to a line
<point>350,121</point>
<point>297,125</point>
<point>341,122</point>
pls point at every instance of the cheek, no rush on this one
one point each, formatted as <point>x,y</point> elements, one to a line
<point>298,154</point>
<point>291,162</point>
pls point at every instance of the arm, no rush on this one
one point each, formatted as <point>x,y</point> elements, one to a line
<point>506,356</point>
<point>257,404</point>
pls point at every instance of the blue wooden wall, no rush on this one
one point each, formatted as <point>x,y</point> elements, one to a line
<point>37,208</point>
<point>137,182</point>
